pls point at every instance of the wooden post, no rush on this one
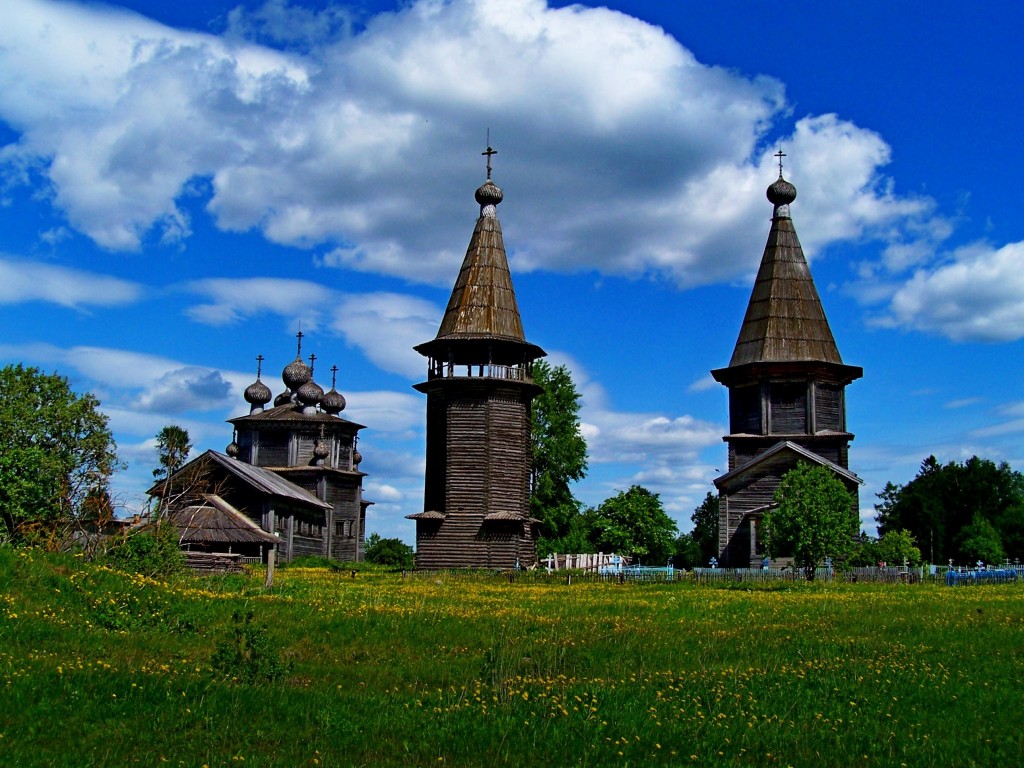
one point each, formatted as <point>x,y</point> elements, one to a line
<point>270,568</point>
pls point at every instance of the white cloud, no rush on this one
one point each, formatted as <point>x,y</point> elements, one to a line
<point>22,281</point>
<point>612,135</point>
<point>231,300</point>
<point>383,326</point>
<point>978,295</point>
<point>386,327</point>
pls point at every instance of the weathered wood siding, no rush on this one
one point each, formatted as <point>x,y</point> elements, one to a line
<point>478,464</point>
<point>745,410</point>
<point>788,408</point>
<point>828,403</point>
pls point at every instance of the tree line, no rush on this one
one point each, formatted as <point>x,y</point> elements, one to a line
<point>57,456</point>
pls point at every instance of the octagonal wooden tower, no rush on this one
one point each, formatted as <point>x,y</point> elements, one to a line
<point>479,389</point>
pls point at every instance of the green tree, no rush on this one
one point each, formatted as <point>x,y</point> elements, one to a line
<point>705,528</point>
<point>814,518</point>
<point>634,523</point>
<point>895,547</point>
<point>392,552</point>
<point>559,458</point>
<point>687,552</point>
<point>979,540</point>
<point>943,499</point>
<point>172,446</point>
<point>55,449</point>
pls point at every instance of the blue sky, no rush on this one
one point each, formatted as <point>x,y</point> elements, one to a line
<point>183,184</point>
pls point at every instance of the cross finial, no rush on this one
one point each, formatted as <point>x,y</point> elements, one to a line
<point>312,361</point>
<point>259,366</point>
<point>780,154</point>
<point>490,151</point>
<point>334,375</point>
<point>299,337</point>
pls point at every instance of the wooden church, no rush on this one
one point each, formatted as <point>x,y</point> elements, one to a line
<point>479,389</point>
<point>292,469</point>
<point>787,385</point>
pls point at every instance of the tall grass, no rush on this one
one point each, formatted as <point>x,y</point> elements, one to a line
<point>103,668</point>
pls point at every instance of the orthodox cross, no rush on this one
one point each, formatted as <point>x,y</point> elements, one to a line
<point>312,361</point>
<point>259,366</point>
<point>780,154</point>
<point>489,152</point>
<point>299,337</point>
<point>334,375</point>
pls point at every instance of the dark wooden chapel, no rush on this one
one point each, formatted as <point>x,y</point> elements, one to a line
<point>787,389</point>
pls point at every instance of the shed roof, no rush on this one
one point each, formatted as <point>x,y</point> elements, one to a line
<point>215,521</point>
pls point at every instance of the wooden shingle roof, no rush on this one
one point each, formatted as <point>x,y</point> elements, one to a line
<point>215,521</point>
<point>784,321</point>
<point>482,308</point>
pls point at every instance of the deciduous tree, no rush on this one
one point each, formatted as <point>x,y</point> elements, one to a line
<point>393,552</point>
<point>814,518</point>
<point>705,528</point>
<point>55,449</point>
<point>559,457</point>
<point>634,523</point>
<point>943,499</point>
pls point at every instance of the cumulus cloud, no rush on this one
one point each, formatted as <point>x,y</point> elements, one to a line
<point>22,281</point>
<point>361,142</point>
<point>977,295</point>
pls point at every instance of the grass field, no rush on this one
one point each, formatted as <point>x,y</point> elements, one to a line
<point>99,668</point>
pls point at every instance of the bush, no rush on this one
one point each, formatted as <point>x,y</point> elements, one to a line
<point>151,552</point>
<point>392,552</point>
<point>248,656</point>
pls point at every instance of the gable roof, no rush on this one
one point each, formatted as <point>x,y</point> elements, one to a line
<point>257,478</point>
<point>779,447</point>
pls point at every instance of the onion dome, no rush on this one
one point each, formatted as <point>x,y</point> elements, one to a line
<point>781,192</point>
<point>257,394</point>
<point>233,449</point>
<point>296,373</point>
<point>284,398</point>
<point>333,402</point>
<point>321,451</point>
<point>489,194</point>
<point>357,458</point>
<point>309,394</point>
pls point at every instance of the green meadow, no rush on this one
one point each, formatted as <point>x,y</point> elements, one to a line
<point>102,668</point>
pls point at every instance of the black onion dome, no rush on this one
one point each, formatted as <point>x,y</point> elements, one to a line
<point>489,194</point>
<point>357,458</point>
<point>310,393</point>
<point>321,451</point>
<point>232,450</point>
<point>781,192</point>
<point>258,393</point>
<point>296,373</point>
<point>283,399</point>
<point>333,402</point>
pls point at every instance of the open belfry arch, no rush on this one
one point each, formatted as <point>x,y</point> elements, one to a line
<point>479,391</point>
<point>787,389</point>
